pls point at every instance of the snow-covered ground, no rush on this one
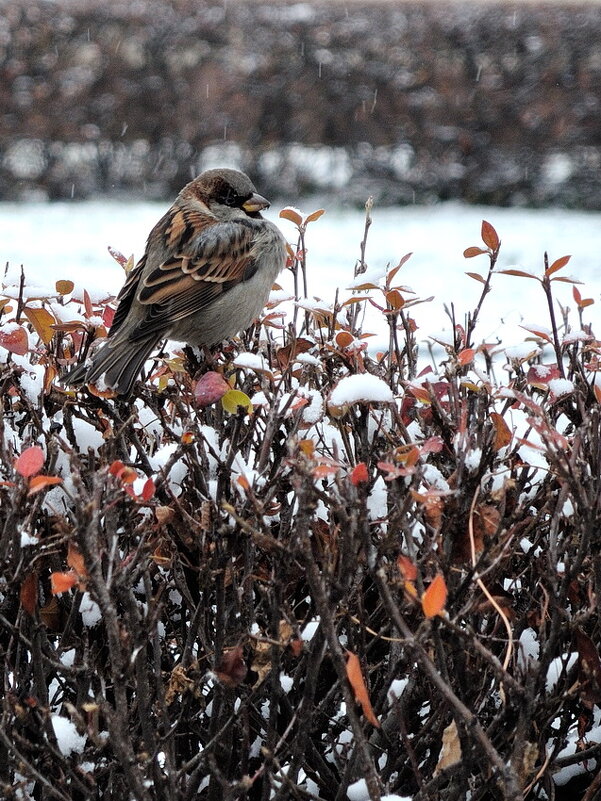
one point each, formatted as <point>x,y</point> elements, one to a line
<point>69,240</point>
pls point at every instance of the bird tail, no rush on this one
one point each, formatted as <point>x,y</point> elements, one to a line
<point>120,362</point>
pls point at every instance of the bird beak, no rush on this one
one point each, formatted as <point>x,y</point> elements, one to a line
<point>255,203</point>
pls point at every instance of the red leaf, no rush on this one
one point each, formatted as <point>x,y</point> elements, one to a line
<point>231,669</point>
<point>406,568</point>
<point>435,597</point>
<point>108,315</point>
<point>148,490</point>
<point>119,257</point>
<point>359,474</point>
<point>28,594</point>
<point>87,304</point>
<point>476,276</point>
<point>15,340</point>
<point>30,461</point>
<point>357,682</point>
<point>489,236</point>
<point>210,388</point>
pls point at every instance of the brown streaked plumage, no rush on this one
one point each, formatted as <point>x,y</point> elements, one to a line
<point>209,264</point>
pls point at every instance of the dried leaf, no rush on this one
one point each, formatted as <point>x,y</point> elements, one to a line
<point>450,753</point>
<point>435,597</point>
<point>28,594</point>
<point>315,215</point>
<point>502,432</point>
<point>231,669</point>
<point>469,253</point>
<point>42,321</point>
<point>357,682</point>
<point>589,668</point>
<point>292,215</point>
<point>489,236</point>
<point>75,561</point>
<point>519,273</point>
<point>64,287</point>
<point>343,339</point>
<point>476,276</point>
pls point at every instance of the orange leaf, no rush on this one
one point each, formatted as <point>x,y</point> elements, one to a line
<point>61,582</point>
<point>38,483</point>
<point>307,446</point>
<point>520,273</point>
<point>435,597</point>
<point>489,236</point>
<point>42,321</point>
<point>469,253</point>
<point>30,461</point>
<point>557,265</point>
<point>28,594</point>
<point>466,356</point>
<point>357,682</point>
<point>64,287</point>
<point>292,215</point>
<point>359,474</point>
<point>406,568</point>
<point>476,276</point>
<point>15,340</point>
<point>502,432</point>
<point>343,339</point>
<point>75,561</point>
<point>242,481</point>
<point>315,215</point>
<point>395,299</point>
<point>597,391</point>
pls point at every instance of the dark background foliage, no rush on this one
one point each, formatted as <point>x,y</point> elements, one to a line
<point>489,102</point>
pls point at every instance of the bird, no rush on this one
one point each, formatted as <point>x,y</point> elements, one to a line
<point>205,275</point>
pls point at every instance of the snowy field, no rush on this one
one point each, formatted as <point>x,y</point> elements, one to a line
<point>69,240</point>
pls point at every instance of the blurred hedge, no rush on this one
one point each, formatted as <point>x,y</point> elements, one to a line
<point>491,102</point>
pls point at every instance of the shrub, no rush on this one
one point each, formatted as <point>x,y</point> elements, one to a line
<point>304,570</point>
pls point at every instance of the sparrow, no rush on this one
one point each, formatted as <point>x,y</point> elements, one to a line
<point>205,275</point>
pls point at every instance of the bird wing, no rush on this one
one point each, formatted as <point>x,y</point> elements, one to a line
<point>209,258</point>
